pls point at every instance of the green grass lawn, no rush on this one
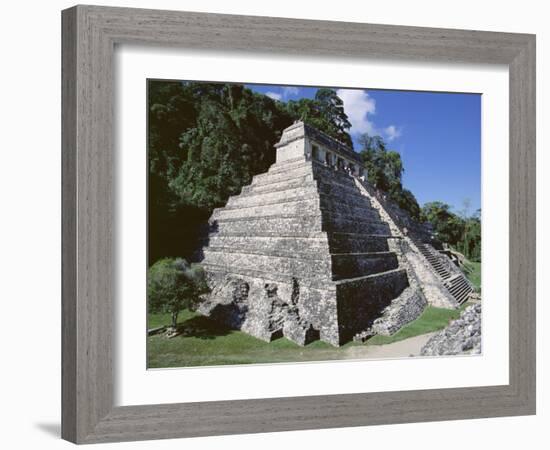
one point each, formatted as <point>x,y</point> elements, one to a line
<point>432,319</point>
<point>205,343</point>
<point>473,273</point>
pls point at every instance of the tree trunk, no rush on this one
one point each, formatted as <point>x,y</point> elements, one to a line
<point>174,319</point>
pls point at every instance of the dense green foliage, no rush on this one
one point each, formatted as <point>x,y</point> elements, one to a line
<point>462,232</point>
<point>385,170</point>
<point>206,141</point>
<point>174,285</point>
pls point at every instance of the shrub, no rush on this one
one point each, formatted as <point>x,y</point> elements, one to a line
<point>174,285</point>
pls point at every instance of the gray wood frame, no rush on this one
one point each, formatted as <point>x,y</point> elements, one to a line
<point>89,36</point>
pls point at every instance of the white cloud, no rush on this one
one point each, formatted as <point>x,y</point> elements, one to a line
<point>392,132</point>
<point>286,92</point>
<point>274,95</point>
<point>290,90</point>
<point>359,106</point>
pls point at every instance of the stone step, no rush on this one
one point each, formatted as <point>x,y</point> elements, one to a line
<point>334,195</point>
<point>281,185</point>
<point>279,225</point>
<point>298,223</point>
<point>313,244</point>
<point>351,243</point>
<point>349,199</point>
<point>457,288</point>
<point>286,265</point>
<point>267,276</point>
<point>460,293</point>
<point>343,213</point>
<point>352,265</point>
<point>281,207</point>
<point>457,282</point>
<point>434,258</point>
<point>334,222</point>
<point>461,298</point>
<point>302,252</point>
<point>292,172</point>
<point>299,193</point>
<point>444,275</point>
<point>288,164</point>
<point>357,208</point>
<point>293,206</point>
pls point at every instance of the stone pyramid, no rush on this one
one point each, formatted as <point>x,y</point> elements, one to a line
<point>309,250</point>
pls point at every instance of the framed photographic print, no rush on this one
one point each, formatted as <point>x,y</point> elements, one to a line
<point>266,230</point>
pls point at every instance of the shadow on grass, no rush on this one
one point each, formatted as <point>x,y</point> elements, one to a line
<point>202,327</point>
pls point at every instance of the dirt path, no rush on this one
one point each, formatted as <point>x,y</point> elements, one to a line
<point>404,348</point>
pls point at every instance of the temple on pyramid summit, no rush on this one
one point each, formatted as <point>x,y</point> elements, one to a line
<point>310,250</point>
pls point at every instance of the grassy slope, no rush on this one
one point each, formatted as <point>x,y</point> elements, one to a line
<point>473,273</point>
<point>432,319</point>
<point>206,343</point>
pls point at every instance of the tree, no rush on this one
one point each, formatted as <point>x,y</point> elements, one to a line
<point>174,285</point>
<point>384,167</point>
<point>206,141</point>
<point>385,171</point>
<point>324,112</point>
<point>448,226</point>
<point>406,200</point>
<point>471,239</point>
<point>461,231</point>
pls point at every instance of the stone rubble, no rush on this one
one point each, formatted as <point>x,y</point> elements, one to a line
<point>461,337</point>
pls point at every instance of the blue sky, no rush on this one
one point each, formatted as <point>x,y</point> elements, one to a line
<point>437,134</point>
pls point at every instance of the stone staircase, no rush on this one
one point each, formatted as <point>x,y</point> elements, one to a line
<point>434,258</point>
<point>459,287</point>
<point>455,282</point>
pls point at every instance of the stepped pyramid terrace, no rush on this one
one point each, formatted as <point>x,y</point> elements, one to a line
<point>310,250</point>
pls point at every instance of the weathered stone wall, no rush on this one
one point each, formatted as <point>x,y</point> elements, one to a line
<point>269,309</point>
<point>362,300</point>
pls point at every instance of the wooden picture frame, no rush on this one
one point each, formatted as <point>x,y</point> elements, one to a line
<point>89,37</point>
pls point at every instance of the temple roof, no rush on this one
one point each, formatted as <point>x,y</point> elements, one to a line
<point>299,130</point>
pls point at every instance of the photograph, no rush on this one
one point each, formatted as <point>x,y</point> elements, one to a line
<point>301,223</point>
